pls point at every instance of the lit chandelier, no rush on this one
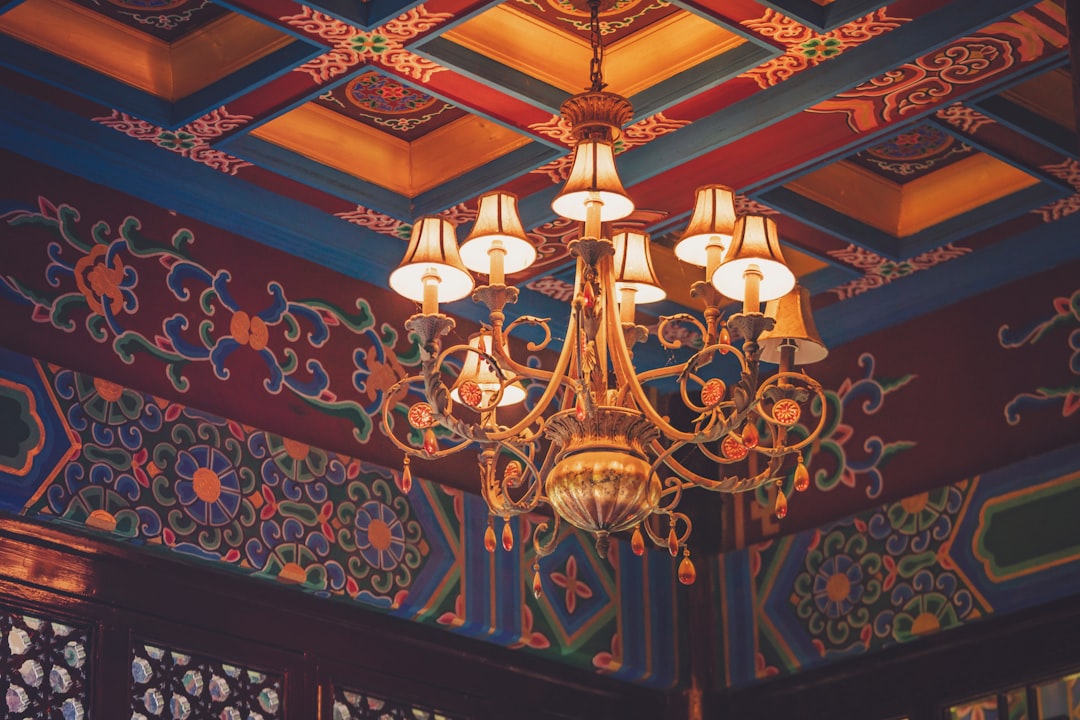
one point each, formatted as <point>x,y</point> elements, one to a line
<point>593,446</point>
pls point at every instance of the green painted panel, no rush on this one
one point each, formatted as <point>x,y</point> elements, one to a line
<point>1031,530</point>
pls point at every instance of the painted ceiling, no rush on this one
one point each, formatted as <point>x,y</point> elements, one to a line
<point>886,138</point>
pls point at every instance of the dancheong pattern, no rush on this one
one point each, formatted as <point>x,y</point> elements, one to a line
<point>44,668</point>
<point>93,282</point>
<point>172,684</point>
<point>895,573</point>
<point>1064,322</point>
<point>157,472</point>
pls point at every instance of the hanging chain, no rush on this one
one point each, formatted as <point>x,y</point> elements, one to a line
<point>596,72</point>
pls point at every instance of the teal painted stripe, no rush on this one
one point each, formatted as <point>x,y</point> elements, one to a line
<point>90,84</point>
<point>102,155</point>
<point>1000,154</point>
<point>828,17</point>
<point>261,72</point>
<point>703,76</point>
<point>858,233</point>
<point>486,177</point>
<point>1032,126</point>
<point>1038,250</point>
<point>485,70</point>
<point>323,177</point>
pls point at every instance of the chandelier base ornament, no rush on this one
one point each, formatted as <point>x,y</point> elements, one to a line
<point>589,443</point>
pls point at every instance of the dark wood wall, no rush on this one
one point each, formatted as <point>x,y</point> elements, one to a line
<point>123,593</point>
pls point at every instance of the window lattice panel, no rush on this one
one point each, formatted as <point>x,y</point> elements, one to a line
<point>43,668</point>
<point>179,686</point>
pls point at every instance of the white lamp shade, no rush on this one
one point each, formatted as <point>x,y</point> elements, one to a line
<point>634,268</point>
<point>794,326</point>
<point>478,370</point>
<point>593,174</point>
<point>433,249</point>
<point>713,221</point>
<point>755,243</point>
<point>497,225</point>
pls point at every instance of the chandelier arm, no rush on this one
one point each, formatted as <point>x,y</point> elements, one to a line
<point>624,367</point>
<point>401,445</point>
<point>689,478</point>
<point>496,492</point>
<point>673,495</point>
<point>653,535</point>
<point>543,549</point>
<point>438,396</point>
<point>715,410</point>
<point>673,523</point>
<point>499,346</point>
<point>704,450</point>
<point>666,320</point>
<point>557,378</point>
<point>813,386</point>
<point>684,536</point>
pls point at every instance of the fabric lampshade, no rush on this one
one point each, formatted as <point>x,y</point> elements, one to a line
<point>593,174</point>
<point>479,371</point>
<point>497,226</point>
<point>634,268</point>
<point>433,248</point>
<point>795,325</point>
<point>754,243</point>
<point>713,221</point>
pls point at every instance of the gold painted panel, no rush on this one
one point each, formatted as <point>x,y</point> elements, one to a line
<point>167,71</point>
<point>904,210</point>
<point>332,139</point>
<point>647,57</point>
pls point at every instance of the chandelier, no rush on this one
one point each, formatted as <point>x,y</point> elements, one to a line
<point>590,442</point>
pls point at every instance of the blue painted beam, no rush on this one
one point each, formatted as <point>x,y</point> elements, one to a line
<point>955,228</point>
<point>813,85</point>
<point>795,94</point>
<point>479,180</point>
<point>262,71</point>
<point>1029,124</point>
<point>88,83</point>
<point>70,143</point>
<point>335,182</point>
<point>1038,250</point>
<point>825,17</point>
<point>703,76</point>
<point>483,69</point>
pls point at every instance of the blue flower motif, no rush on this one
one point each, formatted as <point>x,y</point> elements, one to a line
<point>209,487</point>
<point>837,585</point>
<point>380,536</point>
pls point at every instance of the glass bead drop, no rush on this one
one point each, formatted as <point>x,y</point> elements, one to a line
<point>687,572</point>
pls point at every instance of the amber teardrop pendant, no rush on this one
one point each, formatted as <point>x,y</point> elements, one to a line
<point>802,477</point>
<point>507,537</point>
<point>406,476</point>
<point>431,443</point>
<point>489,538</point>
<point>781,504</point>
<point>750,437</point>
<point>687,572</point>
<point>637,542</point>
